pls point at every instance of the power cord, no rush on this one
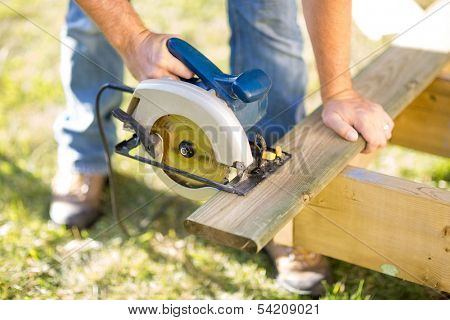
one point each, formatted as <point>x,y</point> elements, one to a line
<point>101,129</point>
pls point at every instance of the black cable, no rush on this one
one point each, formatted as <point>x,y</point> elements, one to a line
<point>101,129</point>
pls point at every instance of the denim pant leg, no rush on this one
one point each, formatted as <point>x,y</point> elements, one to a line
<point>87,62</point>
<point>265,35</point>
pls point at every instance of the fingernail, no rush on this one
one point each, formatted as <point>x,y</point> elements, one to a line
<point>352,135</point>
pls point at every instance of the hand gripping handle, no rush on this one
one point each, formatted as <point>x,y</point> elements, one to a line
<point>247,87</point>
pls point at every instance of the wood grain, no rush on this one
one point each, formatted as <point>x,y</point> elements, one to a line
<point>285,236</point>
<point>393,80</point>
<point>383,223</point>
<point>425,124</point>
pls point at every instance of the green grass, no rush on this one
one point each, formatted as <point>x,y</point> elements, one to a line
<point>39,260</point>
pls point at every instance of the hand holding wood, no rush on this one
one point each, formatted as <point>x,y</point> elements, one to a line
<point>348,114</point>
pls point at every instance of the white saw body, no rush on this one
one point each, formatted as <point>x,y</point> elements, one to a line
<point>158,98</point>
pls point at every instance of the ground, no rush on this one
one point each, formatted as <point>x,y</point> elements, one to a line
<point>40,260</point>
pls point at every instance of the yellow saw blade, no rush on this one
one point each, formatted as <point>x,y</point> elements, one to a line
<point>187,147</point>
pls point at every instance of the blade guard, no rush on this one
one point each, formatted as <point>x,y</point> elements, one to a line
<point>246,94</point>
<point>154,99</point>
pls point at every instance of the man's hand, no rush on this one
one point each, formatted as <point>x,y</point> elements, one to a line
<point>145,53</point>
<point>147,57</point>
<point>348,111</point>
<point>329,25</point>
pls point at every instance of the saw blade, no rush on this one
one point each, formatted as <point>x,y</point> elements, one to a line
<point>187,147</point>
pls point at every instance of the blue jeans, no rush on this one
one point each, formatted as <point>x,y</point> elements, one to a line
<point>265,35</point>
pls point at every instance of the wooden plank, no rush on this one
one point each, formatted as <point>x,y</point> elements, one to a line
<point>383,223</point>
<point>425,124</point>
<point>394,79</point>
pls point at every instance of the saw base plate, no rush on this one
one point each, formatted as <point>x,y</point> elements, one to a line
<point>241,185</point>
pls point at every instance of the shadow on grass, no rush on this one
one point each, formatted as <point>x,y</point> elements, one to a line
<point>144,209</point>
<point>163,213</point>
<point>380,286</point>
<point>23,189</point>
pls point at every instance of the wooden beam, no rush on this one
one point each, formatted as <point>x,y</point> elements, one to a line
<point>425,124</point>
<point>394,79</point>
<point>362,160</point>
<point>285,236</point>
<point>387,224</point>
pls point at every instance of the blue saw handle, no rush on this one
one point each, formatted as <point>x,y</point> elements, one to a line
<point>237,90</point>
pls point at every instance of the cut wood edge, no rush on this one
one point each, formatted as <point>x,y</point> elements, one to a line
<point>220,237</point>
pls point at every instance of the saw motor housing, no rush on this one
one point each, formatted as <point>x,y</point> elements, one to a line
<point>215,109</point>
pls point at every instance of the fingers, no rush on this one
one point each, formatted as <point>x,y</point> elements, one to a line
<point>350,116</point>
<point>177,68</point>
<point>153,60</point>
<point>390,124</point>
<point>342,128</point>
<point>389,120</point>
<point>167,66</point>
<point>387,132</point>
<point>375,127</point>
<point>173,65</point>
<point>373,133</point>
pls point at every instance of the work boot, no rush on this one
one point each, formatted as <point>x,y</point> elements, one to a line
<point>299,270</point>
<point>76,199</point>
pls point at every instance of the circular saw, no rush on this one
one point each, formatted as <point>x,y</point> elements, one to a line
<point>194,132</point>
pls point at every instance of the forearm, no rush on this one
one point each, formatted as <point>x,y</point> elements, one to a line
<point>117,19</point>
<point>329,26</point>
